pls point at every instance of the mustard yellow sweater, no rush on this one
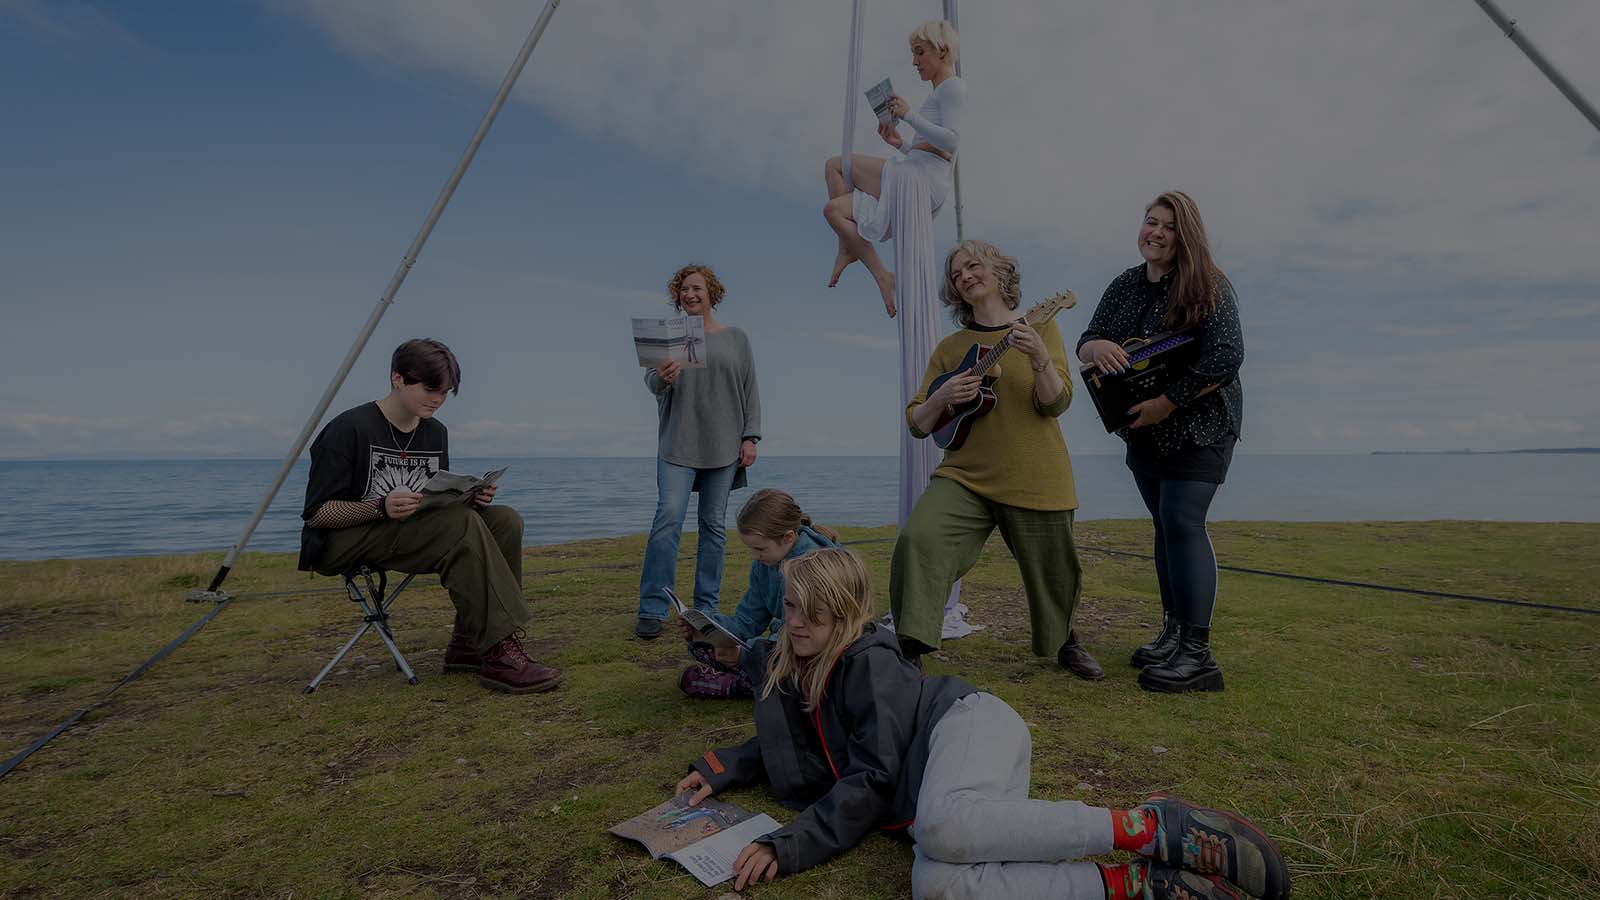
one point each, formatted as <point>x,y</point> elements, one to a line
<point>1014,455</point>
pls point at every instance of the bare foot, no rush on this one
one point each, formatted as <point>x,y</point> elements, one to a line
<point>840,262</point>
<point>886,288</point>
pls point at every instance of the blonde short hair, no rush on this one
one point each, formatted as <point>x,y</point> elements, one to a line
<point>1004,269</point>
<point>940,35</point>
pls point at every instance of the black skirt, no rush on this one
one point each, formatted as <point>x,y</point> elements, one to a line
<point>1207,463</point>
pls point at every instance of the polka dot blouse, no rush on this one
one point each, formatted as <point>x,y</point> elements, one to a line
<point>1132,307</point>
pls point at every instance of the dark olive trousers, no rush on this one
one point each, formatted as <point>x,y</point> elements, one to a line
<point>941,541</point>
<point>477,553</point>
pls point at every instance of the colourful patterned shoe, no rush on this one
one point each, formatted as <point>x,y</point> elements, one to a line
<point>1145,880</point>
<point>1167,883</point>
<point>1212,842</point>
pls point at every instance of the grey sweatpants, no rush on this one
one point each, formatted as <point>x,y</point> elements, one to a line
<point>979,835</point>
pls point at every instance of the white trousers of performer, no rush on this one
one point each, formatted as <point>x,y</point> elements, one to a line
<point>978,832</point>
<point>912,191</point>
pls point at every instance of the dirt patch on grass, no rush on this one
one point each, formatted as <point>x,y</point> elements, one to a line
<point>551,884</point>
<point>366,753</point>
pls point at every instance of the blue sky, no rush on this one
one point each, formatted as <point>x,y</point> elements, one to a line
<point>203,201</point>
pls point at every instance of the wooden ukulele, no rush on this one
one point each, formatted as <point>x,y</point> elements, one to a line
<point>955,423</point>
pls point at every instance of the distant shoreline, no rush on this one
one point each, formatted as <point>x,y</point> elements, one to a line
<point>1568,450</point>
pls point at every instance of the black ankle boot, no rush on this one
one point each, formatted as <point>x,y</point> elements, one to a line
<point>1190,668</point>
<point>1157,651</point>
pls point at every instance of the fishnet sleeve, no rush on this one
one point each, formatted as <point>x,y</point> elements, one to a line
<point>344,513</point>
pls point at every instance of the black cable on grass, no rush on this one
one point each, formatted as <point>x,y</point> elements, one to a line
<point>73,719</point>
<point>1339,582</point>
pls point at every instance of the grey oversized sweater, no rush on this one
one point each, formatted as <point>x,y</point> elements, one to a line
<point>709,412</point>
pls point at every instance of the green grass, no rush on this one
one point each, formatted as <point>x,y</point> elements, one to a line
<point>1395,746</point>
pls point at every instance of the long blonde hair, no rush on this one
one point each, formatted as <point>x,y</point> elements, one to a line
<point>772,513</point>
<point>831,580</point>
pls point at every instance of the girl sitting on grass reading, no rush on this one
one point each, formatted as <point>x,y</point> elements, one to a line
<point>771,524</point>
<point>854,735</point>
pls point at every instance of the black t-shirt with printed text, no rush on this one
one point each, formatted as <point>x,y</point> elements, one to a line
<point>360,456</point>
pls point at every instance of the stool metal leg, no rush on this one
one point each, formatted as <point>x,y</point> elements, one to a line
<point>338,656</point>
<point>375,612</point>
<point>381,620</point>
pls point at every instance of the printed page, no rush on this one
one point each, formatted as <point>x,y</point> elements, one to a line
<point>679,339</point>
<point>675,825</point>
<point>443,481</point>
<point>453,487</point>
<point>878,96</point>
<point>711,860</point>
<point>709,629</point>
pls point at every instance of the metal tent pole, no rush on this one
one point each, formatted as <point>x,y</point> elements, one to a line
<point>1509,26</point>
<point>850,99</point>
<point>951,16</point>
<point>212,591</point>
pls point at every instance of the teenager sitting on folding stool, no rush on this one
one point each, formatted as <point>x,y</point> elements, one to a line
<point>368,467</point>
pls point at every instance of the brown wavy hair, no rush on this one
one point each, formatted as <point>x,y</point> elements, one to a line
<point>1197,283</point>
<point>1003,267</point>
<point>714,288</point>
<point>772,513</point>
<point>831,580</point>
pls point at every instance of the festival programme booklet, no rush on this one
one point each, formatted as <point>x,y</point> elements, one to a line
<point>704,839</point>
<point>878,96</point>
<point>455,487</point>
<point>681,339</point>
<point>710,630</point>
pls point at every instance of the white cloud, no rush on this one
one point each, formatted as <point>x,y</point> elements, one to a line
<point>1369,134</point>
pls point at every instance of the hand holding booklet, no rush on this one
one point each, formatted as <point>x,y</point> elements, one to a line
<point>704,839</point>
<point>681,339</point>
<point>709,630</point>
<point>454,487</point>
<point>879,96</point>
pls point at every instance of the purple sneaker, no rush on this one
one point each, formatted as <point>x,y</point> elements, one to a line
<point>708,683</point>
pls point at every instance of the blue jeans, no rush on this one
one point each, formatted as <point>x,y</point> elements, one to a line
<point>673,486</point>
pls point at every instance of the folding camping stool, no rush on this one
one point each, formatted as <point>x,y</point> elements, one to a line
<point>374,605</point>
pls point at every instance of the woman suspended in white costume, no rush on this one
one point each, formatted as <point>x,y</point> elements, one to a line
<point>904,188</point>
<point>897,198</point>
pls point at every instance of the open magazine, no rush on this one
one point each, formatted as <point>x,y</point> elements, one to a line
<point>455,487</point>
<point>704,839</point>
<point>680,339</point>
<point>878,96</point>
<point>709,630</point>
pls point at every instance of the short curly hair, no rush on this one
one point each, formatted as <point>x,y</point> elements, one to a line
<point>1003,267</point>
<point>714,288</point>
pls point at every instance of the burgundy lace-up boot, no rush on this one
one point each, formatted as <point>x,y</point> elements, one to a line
<point>508,667</point>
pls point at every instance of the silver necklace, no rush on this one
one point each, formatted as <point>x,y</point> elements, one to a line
<point>396,438</point>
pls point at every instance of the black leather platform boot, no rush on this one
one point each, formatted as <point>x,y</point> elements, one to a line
<point>1191,668</point>
<point>1159,648</point>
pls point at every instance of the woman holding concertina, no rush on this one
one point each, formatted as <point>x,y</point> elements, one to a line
<point>1180,443</point>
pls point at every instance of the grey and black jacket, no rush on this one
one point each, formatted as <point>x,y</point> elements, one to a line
<point>854,764</point>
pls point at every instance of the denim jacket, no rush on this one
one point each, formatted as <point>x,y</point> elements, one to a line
<point>762,603</point>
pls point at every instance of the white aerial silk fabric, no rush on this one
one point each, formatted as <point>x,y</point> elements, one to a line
<point>912,192</point>
<point>913,189</point>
